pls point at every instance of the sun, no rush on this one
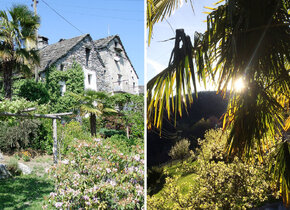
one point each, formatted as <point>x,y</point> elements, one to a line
<point>239,85</point>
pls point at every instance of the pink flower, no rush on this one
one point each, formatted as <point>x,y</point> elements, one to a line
<point>58,204</point>
<point>86,197</point>
<point>108,170</point>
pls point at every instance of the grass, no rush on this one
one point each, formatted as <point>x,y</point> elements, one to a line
<point>184,182</point>
<point>24,192</point>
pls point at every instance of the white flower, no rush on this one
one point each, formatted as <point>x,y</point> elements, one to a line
<point>108,170</point>
<point>58,204</point>
<point>65,161</point>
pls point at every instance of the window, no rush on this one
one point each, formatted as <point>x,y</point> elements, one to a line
<point>119,79</point>
<point>88,51</point>
<point>89,79</point>
<point>61,67</point>
<point>62,87</point>
<point>133,85</point>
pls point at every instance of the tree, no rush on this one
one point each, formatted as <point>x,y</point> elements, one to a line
<point>17,32</point>
<point>91,102</point>
<point>245,40</point>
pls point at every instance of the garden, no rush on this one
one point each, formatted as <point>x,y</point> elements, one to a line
<point>100,146</point>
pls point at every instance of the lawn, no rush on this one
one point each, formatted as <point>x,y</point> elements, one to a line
<point>24,192</point>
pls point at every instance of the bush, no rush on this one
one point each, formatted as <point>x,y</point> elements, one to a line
<point>68,134</point>
<point>96,175</point>
<point>105,133</point>
<point>123,143</point>
<point>33,91</point>
<point>18,135</point>
<point>180,150</point>
<point>218,184</point>
<point>13,168</point>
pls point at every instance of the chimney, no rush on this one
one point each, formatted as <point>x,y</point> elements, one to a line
<point>42,42</point>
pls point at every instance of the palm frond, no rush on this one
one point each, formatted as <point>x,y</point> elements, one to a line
<point>172,88</point>
<point>157,10</point>
<point>281,170</point>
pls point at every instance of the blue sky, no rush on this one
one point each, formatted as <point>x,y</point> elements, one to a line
<point>158,53</point>
<point>98,18</point>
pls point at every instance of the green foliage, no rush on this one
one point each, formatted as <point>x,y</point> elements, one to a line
<point>105,133</point>
<point>33,91</point>
<point>123,143</point>
<point>180,150</point>
<point>217,184</point>
<point>19,135</point>
<point>74,80</point>
<point>19,105</point>
<point>96,175</point>
<point>13,168</point>
<point>68,133</point>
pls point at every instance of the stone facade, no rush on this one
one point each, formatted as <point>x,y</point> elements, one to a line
<point>122,75</point>
<point>106,67</point>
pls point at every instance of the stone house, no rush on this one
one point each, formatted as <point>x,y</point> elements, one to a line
<point>105,62</point>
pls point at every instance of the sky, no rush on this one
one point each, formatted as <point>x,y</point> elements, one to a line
<point>158,53</point>
<point>99,18</point>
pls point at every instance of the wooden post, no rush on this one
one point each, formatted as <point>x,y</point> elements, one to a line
<point>54,149</point>
<point>54,117</point>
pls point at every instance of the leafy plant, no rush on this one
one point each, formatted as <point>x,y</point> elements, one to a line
<point>180,150</point>
<point>18,26</point>
<point>13,168</point>
<point>97,175</point>
<point>33,91</point>
<point>216,182</point>
<point>26,156</point>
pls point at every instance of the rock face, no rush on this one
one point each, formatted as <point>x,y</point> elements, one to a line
<point>4,173</point>
<point>24,168</point>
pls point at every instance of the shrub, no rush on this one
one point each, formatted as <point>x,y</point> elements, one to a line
<point>180,150</point>
<point>17,135</point>
<point>123,143</point>
<point>26,156</point>
<point>68,134</point>
<point>33,91</point>
<point>96,175</point>
<point>105,133</point>
<point>218,184</point>
<point>13,168</point>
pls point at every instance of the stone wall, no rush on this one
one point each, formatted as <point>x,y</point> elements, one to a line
<point>119,71</point>
<point>93,68</point>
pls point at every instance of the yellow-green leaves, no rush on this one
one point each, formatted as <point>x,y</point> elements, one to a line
<point>172,89</point>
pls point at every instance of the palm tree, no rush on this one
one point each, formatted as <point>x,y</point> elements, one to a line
<point>157,10</point>
<point>92,103</point>
<point>245,40</point>
<point>17,31</point>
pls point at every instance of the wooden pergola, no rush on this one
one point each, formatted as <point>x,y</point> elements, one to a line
<point>54,117</point>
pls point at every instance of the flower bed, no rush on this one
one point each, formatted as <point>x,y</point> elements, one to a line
<point>96,174</point>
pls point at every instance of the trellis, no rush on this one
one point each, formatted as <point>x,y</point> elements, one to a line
<point>54,117</point>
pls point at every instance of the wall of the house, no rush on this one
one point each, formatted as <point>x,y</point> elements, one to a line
<point>119,72</point>
<point>94,68</point>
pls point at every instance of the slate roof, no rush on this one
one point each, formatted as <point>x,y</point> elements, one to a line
<point>51,53</point>
<point>101,43</point>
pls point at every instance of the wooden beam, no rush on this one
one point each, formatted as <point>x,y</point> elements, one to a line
<point>54,135</point>
<point>30,115</point>
<point>60,114</point>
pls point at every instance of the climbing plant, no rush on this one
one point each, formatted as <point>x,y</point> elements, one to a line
<point>74,81</point>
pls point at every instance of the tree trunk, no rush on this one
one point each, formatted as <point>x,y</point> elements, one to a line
<point>7,75</point>
<point>93,124</point>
